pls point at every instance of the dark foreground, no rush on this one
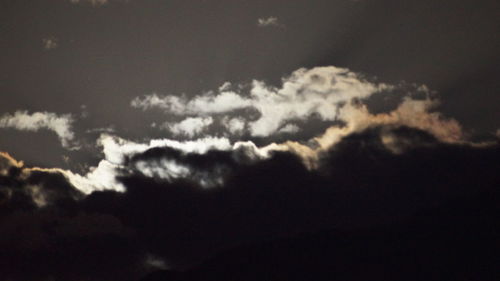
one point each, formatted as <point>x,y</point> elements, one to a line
<point>458,241</point>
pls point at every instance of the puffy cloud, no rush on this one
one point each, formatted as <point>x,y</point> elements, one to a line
<point>332,94</point>
<point>411,113</point>
<point>234,125</point>
<point>120,159</point>
<point>59,124</point>
<point>319,91</point>
<point>190,126</point>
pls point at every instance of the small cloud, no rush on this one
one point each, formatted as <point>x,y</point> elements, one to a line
<point>234,125</point>
<point>190,127</point>
<point>225,87</point>
<point>154,262</point>
<point>289,129</point>
<point>50,43</point>
<point>91,2</point>
<point>270,21</point>
<point>84,112</point>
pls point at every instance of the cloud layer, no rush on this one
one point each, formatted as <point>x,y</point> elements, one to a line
<point>334,95</point>
<point>170,203</point>
<point>158,222</point>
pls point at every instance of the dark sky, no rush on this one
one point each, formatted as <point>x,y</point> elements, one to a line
<point>229,139</point>
<point>106,55</point>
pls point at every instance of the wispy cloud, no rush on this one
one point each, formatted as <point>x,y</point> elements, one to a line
<point>92,2</point>
<point>269,21</point>
<point>59,124</point>
<point>319,91</point>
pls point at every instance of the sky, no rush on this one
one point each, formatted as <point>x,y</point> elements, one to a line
<point>159,133</point>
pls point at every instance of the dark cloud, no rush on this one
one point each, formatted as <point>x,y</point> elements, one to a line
<point>434,244</point>
<point>360,183</point>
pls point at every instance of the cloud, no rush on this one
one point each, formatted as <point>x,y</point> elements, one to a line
<point>120,159</point>
<point>190,126</point>
<point>234,125</point>
<point>59,124</point>
<point>37,185</point>
<point>329,93</point>
<point>50,43</point>
<point>410,113</point>
<point>91,2</point>
<point>96,3</point>
<point>270,21</point>
<point>359,182</point>
<point>45,229</point>
<point>138,205</point>
<point>290,129</point>
<point>319,92</point>
<point>332,94</point>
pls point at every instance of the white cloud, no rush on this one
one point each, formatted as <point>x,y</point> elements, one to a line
<point>190,126</point>
<point>234,125</point>
<point>269,21</point>
<point>319,91</point>
<point>117,150</point>
<point>331,93</point>
<point>59,124</point>
<point>412,113</point>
